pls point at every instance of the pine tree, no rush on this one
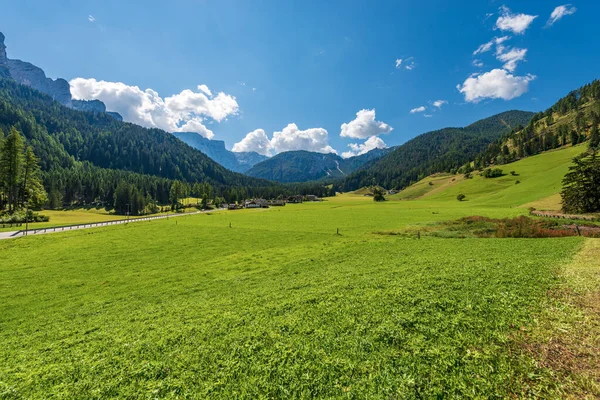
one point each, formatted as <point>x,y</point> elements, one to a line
<point>581,186</point>
<point>11,167</point>
<point>594,138</point>
<point>32,189</point>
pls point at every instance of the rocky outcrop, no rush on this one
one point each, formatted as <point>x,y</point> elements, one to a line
<point>95,106</point>
<point>89,105</point>
<point>4,73</point>
<point>28,74</point>
<point>115,115</point>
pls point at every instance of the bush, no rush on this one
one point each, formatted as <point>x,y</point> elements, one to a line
<point>513,173</point>
<point>378,195</point>
<point>20,218</point>
<point>517,182</point>
<point>460,197</point>
<point>492,173</point>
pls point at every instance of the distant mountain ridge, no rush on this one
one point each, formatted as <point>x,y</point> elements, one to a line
<point>436,151</point>
<point>59,89</point>
<point>215,149</point>
<point>303,166</point>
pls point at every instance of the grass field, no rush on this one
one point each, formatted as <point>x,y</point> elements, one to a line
<point>74,217</point>
<point>539,178</point>
<point>280,306</point>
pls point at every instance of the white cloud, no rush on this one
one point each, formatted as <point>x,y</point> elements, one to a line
<point>364,126</point>
<point>406,63</point>
<point>205,89</point>
<point>357,149</point>
<point>91,18</point>
<point>410,63</point>
<point>511,57</point>
<point>484,48</point>
<point>560,12</point>
<point>516,23</point>
<point>292,138</point>
<point>488,46</point>
<point>256,140</point>
<point>495,84</point>
<point>427,115</point>
<point>478,63</point>
<point>185,111</point>
<point>417,110</point>
<point>439,103</point>
<point>288,139</point>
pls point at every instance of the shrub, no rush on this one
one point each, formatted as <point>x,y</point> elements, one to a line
<point>492,173</point>
<point>513,173</point>
<point>460,197</point>
<point>517,182</point>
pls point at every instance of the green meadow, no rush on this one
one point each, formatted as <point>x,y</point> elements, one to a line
<point>275,303</point>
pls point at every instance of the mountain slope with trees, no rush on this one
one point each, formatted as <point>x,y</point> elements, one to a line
<point>85,155</point>
<point>303,166</point>
<point>437,151</point>
<point>571,120</point>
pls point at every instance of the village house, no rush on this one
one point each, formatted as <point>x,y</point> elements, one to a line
<point>295,199</point>
<point>312,197</point>
<point>277,203</point>
<point>256,203</point>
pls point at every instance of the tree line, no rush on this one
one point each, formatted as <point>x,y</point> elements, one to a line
<point>20,182</point>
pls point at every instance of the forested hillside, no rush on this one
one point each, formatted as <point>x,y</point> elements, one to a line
<point>436,151</point>
<point>84,155</point>
<point>303,166</point>
<point>571,120</point>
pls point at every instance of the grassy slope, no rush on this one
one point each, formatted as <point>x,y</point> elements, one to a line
<point>540,178</point>
<point>276,306</point>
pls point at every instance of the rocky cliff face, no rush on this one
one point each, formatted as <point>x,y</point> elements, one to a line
<point>89,105</point>
<point>28,74</point>
<point>95,106</point>
<point>4,73</point>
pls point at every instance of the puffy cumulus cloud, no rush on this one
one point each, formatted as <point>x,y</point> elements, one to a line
<point>439,103</point>
<point>257,141</point>
<point>560,12</point>
<point>364,126</point>
<point>357,149</point>
<point>185,111</point>
<point>495,84</point>
<point>288,139</point>
<point>417,110</point>
<point>292,138</point>
<point>516,23</point>
<point>511,57</point>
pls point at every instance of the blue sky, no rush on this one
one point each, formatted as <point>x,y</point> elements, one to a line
<point>290,73</point>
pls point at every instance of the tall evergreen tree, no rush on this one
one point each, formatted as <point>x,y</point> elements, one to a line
<point>11,167</point>
<point>581,186</point>
<point>32,189</point>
